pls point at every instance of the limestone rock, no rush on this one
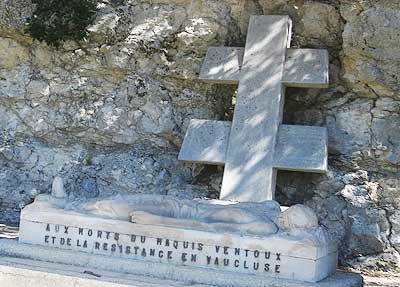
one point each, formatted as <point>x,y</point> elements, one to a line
<point>13,82</point>
<point>320,24</point>
<point>298,217</point>
<point>366,231</point>
<point>386,130</point>
<point>370,42</point>
<point>88,188</point>
<point>349,127</point>
<point>12,53</point>
<point>13,13</point>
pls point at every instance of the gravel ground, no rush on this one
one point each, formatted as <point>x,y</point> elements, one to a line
<point>382,279</point>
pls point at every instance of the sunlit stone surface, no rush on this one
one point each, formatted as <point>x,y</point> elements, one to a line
<point>257,145</point>
<point>243,238</point>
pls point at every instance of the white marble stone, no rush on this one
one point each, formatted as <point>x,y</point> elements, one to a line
<point>301,148</point>
<point>257,145</point>
<point>249,174</point>
<point>306,68</point>
<point>298,148</point>
<point>45,267</point>
<point>222,65</point>
<point>206,142</point>
<point>306,257</point>
<point>245,219</point>
<point>17,272</point>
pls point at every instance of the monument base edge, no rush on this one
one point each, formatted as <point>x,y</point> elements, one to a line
<point>22,263</point>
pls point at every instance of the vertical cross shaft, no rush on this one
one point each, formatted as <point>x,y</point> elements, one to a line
<point>249,174</point>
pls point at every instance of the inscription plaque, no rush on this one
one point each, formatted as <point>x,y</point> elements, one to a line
<point>160,249</point>
<point>272,256</point>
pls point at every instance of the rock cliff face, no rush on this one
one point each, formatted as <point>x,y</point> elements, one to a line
<point>108,114</point>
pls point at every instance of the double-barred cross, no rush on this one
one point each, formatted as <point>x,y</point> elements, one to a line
<point>255,144</point>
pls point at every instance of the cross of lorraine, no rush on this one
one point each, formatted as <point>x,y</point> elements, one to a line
<point>255,144</point>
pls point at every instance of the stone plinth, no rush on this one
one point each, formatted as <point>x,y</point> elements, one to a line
<point>276,256</point>
<point>69,268</point>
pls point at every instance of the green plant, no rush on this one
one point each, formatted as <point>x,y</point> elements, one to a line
<point>88,160</point>
<point>55,21</point>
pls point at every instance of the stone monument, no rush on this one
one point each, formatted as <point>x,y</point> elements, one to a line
<point>255,145</point>
<point>244,239</point>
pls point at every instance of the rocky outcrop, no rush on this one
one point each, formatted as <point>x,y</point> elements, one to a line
<point>108,115</point>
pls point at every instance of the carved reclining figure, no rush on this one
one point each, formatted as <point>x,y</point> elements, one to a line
<point>246,218</point>
<point>237,217</point>
<point>209,215</point>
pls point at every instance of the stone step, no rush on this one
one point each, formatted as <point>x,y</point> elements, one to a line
<point>18,272</point>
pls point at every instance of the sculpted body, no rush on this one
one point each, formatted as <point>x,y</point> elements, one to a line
<point>208,215</point>
<point>214,215</point>
<point>246,218</point>
<point>239,217</point>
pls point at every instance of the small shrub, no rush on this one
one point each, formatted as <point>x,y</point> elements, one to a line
<point>55,21</point>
